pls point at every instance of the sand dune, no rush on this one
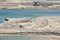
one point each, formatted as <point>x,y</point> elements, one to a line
<point>43,24</point>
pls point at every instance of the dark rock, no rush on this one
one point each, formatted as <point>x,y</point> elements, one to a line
<point>20,26</point>
<point>6,19</point>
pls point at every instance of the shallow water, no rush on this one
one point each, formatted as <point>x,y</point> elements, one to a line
<point>23,38</point>
<point>26,13</point>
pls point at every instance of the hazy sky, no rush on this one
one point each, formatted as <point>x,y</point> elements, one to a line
<point>38,0</point>
<point>33,0</point>
<point>24,0</point>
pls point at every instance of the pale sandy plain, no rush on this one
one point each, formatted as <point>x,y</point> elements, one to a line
<point>49,26</point>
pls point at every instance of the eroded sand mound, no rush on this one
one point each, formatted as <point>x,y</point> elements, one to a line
<point>39,24</point>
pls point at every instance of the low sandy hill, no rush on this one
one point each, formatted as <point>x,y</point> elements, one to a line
<point>38,24</point>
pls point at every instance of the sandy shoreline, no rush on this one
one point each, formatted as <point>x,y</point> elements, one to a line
<point>48,26</point>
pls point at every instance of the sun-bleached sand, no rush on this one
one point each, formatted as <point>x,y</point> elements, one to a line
<point>43,25</point>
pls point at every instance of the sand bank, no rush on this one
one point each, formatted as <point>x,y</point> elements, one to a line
<point>46,25</point>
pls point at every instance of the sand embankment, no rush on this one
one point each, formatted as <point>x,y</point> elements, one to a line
<point>45,25</point>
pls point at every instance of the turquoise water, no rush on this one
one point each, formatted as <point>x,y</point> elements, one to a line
<point>27,13</point>
<point>23,38</point>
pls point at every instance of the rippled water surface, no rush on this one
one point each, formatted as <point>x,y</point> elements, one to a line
<point>23,38</point>
<point>27,13</point>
